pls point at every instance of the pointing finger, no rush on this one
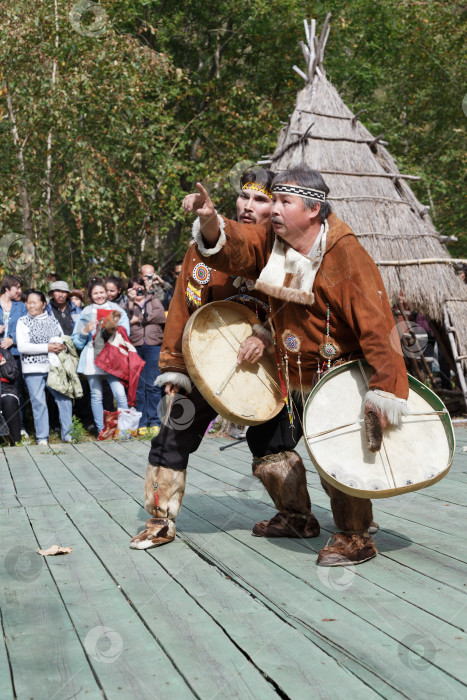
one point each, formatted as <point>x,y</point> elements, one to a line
<point>202,191</point>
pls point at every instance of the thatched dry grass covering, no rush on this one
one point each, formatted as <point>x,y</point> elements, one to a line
<point>373,197</point>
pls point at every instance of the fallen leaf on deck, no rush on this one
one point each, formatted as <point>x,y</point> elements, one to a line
<point>328,619</point>
<point>53,550</point>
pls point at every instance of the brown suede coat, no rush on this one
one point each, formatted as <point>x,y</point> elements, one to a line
<point>348,280</point>
<point>219,287</point>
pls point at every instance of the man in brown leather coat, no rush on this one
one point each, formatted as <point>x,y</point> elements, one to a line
<point>313,268</point>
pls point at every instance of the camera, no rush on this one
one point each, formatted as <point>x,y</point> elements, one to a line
<point>140,291</point>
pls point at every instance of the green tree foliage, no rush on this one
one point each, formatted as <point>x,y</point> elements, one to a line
<point>405,62</point>
<point>156,94</point>
<point>94,118</point>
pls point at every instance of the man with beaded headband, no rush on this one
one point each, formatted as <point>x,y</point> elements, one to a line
<point>182,431</point>
<point>327,300</point>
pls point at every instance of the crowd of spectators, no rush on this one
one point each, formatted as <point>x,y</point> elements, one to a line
<point>57,334</point>
<point>49,341</point>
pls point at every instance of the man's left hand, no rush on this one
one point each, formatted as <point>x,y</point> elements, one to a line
<point>251,350</point>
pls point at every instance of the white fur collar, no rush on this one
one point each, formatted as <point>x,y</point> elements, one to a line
<point>285,260</point>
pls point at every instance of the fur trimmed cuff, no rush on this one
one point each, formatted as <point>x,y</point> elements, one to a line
<point>199,240</point>
<point>386,403</point>
<point>261,332</point>
<point>183,380</point>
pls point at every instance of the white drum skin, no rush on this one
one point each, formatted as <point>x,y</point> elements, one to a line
<point>247,394</point>
<point>414,455</point>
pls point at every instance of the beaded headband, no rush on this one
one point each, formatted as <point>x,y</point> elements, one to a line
<point>300,191</point>
<point>259,187</point>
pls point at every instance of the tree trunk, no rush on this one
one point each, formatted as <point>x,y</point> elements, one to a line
<point>48,168</point>
<point>22,186</point>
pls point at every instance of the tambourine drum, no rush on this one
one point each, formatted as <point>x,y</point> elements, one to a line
<point>414,455</point>
<point>247,394</point>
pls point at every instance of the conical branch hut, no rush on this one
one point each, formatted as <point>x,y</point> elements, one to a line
<point>369,193</point>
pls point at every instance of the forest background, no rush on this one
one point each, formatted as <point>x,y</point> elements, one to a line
<point>110,112</point>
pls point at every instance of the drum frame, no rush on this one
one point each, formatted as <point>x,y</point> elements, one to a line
<point>430,397</point>
<point>192,365</point>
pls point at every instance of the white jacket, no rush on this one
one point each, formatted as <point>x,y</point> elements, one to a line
<point>33,335</point>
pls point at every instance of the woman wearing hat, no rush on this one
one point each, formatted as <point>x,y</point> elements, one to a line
<point>77,298</point>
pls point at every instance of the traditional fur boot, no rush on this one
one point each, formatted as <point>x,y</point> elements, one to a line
<point>347,549</point>
<point>163,490</point>
<point>284,477</point>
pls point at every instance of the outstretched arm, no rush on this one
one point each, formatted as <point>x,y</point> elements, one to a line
<point>201,204</point>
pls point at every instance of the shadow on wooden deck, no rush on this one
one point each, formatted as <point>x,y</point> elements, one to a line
<point>220,613</point>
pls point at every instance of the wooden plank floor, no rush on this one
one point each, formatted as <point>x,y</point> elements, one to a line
<point>219,613</point>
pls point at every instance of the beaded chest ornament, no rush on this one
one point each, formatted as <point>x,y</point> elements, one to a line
<point>329,349</point>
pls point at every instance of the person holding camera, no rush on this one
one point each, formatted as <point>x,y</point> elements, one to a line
<point>154,284</point>
<point>147,322</point>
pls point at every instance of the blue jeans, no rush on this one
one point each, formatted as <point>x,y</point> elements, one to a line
<point>148,396</point>
<point>36,384</point>
<point>95,385</point>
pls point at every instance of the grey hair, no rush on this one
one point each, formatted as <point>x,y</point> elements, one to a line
<point>304,176</point>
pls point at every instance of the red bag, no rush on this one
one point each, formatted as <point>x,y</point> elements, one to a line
<point>119,357</point>
<point>102,313</point>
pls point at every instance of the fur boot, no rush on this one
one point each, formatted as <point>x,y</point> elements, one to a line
<point>284,477</point>
<point>347,549</point>
<point>163,491</point>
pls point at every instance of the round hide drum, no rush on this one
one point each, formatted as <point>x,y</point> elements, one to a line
<point>247,394</point>
<point>414,455</point>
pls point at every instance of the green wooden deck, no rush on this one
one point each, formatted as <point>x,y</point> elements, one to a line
<point>220,613</point>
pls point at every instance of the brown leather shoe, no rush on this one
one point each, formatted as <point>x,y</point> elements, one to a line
<point>288,526</point>
<point>347,550</point>
<point>158,531</point>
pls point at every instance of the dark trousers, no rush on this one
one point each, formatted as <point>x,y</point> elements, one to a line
<point>82,406</point>
<point>148,396</point>
<point>10,408</point>
<point>350,514</point>
<point>22,390</point>
<point>181,431</point>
